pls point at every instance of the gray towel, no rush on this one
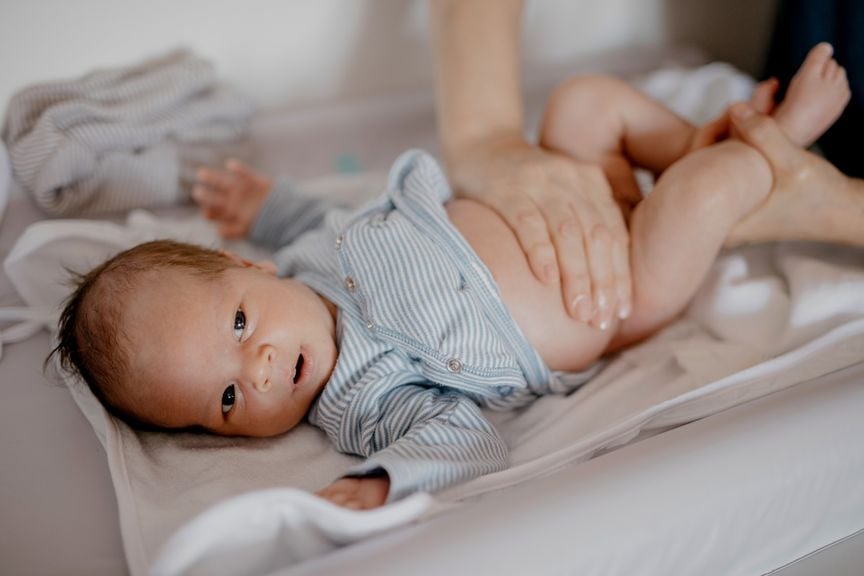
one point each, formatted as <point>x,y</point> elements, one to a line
<point>116,139</point>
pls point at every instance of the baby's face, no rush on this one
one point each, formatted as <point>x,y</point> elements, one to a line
<point>243,354</point>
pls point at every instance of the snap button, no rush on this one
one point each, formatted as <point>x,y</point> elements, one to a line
<point>338,242</point>
<point>350,284</point>
<point>454,365</point>
<point>505,390</point>
<point>369,324</point>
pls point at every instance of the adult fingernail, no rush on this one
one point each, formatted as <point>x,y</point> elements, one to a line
<point>602,300</point>
<point>582,306</point>
<point>623,311</point>
<point>604,324</point>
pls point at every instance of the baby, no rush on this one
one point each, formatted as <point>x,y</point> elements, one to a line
<point>390,326</point>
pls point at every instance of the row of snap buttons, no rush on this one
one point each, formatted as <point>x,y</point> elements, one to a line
<point>454,365</point>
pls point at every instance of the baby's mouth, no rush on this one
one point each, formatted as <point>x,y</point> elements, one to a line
<point>298,369</point>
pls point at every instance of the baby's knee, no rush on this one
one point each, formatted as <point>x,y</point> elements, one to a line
<point>586,95</point>
<point>586,107</point>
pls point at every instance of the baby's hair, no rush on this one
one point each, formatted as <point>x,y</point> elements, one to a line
<point>91,340</point>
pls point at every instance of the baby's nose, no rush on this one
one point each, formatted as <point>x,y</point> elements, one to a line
<point>260,367</point>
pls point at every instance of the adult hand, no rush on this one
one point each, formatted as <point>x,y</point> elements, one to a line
<point>564,216</point>
<point>810,200</point>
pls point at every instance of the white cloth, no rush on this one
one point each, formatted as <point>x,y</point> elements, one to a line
<point>116,139</point>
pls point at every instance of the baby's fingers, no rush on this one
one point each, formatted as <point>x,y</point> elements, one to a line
<point>218,180</point>
<point>246,174</point>
<point>212,202</point>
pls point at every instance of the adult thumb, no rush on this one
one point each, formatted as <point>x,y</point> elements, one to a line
<point>763,133</point>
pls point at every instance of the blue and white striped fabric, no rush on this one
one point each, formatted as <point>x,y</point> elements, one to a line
<point>424,338</point>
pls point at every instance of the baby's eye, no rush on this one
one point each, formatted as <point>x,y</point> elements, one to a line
<point>239,323</point>
<point>228,399</point>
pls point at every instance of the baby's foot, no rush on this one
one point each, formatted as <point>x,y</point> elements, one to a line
<point>816,97</point>
<point>231,196</point>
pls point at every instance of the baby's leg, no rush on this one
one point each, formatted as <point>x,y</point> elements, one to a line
<point>604,120</point>
<point>677,231</point>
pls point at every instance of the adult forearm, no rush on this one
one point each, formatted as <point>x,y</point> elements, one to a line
<point>477,58</point>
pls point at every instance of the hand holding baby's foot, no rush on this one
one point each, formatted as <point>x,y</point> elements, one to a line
<point>721,128</point>
<point>816,97</point>
<point>358,493</point>
<point>810,197</point>
<point>231,197</point>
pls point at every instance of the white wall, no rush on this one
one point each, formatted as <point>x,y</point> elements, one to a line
<point>294,51</point>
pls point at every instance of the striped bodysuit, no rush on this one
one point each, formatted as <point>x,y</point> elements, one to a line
<point>424,338</point>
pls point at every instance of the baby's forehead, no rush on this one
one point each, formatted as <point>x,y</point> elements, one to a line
<point>170,285</point>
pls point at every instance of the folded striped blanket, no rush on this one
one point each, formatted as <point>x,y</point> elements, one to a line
<point>122,137</point>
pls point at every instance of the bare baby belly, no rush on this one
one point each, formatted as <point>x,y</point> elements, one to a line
<point>563,343</point>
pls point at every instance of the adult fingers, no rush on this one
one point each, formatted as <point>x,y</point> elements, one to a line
<point>532,232</point>
<point>620,285</point>
<point>607,259</point>
<point>763,133</point>
<point>566,221</point>
<point>762,99</point>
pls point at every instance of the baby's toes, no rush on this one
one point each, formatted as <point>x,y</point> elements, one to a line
<point>830,70</point>
<point>840,76</point>
<point>818,59</point>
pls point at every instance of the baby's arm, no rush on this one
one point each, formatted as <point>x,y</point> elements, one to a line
<point>422,439</point>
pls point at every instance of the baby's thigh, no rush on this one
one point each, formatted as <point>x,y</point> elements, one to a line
<point>537,308</point>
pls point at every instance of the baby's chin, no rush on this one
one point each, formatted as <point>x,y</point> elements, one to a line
<point>260,429</point>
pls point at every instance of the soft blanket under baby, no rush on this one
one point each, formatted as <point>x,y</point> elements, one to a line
<point>117,138</point>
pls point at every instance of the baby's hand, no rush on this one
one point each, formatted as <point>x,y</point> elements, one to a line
<point>358,493</point>
<point>231,197</point>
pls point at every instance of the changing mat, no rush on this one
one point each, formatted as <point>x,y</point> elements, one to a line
<point>769,317</point>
